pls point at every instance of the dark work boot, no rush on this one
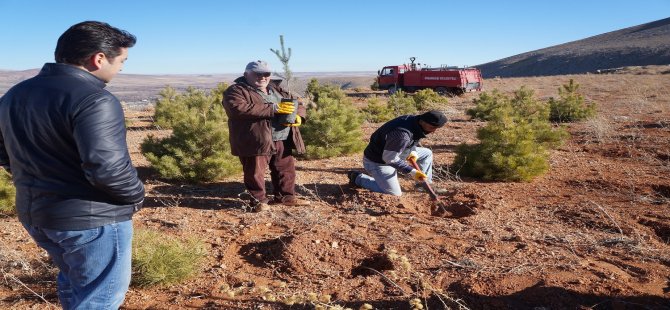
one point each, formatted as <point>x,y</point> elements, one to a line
<point>352,175</point>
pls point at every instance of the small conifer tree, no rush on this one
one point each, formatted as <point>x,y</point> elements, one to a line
<point>313,88</point>
<point>514,144</point>
<point>284,58</point>
<point>333,126</point>
<point>7,193</point>
<point>486,103</point>
<point>198,149</point>
<point>376,112</point>
<point>168,110</point>
<point>425,97</point>
<point>400,103</point>
<point>526,107</point>
<point>315,91</point>
<point>570,107</point>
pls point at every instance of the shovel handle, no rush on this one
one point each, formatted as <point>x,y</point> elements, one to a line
<point>430,190</point>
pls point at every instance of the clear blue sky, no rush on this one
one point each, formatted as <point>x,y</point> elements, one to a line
<point>202,37</point>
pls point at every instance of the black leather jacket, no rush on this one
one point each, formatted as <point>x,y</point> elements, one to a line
<point>64,138</point>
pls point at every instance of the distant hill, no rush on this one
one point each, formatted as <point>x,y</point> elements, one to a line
<point>646,44</point>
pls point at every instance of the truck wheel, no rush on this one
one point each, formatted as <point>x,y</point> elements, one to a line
<point>442,91</point>
<point>392,90</point>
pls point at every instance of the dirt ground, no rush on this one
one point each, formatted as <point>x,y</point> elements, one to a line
<point>592,233</point>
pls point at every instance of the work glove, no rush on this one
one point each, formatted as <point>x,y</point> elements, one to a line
<point>285,108</point>
<point>413,156</point>
<point>298,122</point>
<point>418,175</point>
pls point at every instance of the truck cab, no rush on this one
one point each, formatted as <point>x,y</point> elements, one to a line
<point>390,77</point>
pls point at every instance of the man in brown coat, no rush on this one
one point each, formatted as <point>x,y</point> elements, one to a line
<point>260,139</point>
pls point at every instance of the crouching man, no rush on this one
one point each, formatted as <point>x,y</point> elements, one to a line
<point>390,148</point>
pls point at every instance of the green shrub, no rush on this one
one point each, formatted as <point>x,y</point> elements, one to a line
<point>313,88</point>
<point>507,152</point>
<point>526,107</point>
<point>198,149</point>
<point>161,260</point>
<point>376,112</point>
<point>486,103</point>
<point>523,105</point>
<point>315,91</point>
<point>425,97</point>
<point>400,103</point>
<point>514,144</point>
<point>7,193</point>
<point>570,107</point>
<point>374,85</point>
<point>169,108</point>
<point>333,126</point>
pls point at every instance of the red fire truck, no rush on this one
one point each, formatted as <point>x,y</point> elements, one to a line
<point>444,80</point>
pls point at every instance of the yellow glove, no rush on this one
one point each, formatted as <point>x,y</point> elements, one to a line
<point>413,156</point>
<point>298,122</point>
<point>418,175</point>
<point>285,107</point>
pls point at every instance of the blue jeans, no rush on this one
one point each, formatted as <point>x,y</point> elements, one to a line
<point>94,264</point>
<point>384,178</point>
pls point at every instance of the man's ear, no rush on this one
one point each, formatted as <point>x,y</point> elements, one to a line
<point>95,61</point>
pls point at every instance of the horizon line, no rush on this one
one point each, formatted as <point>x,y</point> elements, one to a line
<point>218,73</point>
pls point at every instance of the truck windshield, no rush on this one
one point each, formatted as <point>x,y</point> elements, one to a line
<point>387,71</point>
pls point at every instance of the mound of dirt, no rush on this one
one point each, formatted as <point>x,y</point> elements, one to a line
<point>306,254</point>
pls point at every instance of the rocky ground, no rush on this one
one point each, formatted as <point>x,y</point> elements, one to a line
<point>592,233</point>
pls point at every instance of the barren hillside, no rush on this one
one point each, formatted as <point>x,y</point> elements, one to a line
<point>647,44</point>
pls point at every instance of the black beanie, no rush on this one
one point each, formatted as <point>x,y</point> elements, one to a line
<point>435,118</point>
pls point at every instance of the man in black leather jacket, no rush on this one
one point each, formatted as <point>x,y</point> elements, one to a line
<point>63,139</point>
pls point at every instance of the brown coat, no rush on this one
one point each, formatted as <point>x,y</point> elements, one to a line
<point>249,121</point>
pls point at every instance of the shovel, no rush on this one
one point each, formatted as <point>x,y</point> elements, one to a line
<point>430,190</point>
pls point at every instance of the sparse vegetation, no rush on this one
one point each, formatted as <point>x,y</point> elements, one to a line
<point>7,193</point>
<point>599,128</point>
<point>198,149</point>
<point>570,106</point>
<point>160,259</point>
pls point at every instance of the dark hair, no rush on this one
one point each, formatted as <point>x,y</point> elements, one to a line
<point>81,41</point>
